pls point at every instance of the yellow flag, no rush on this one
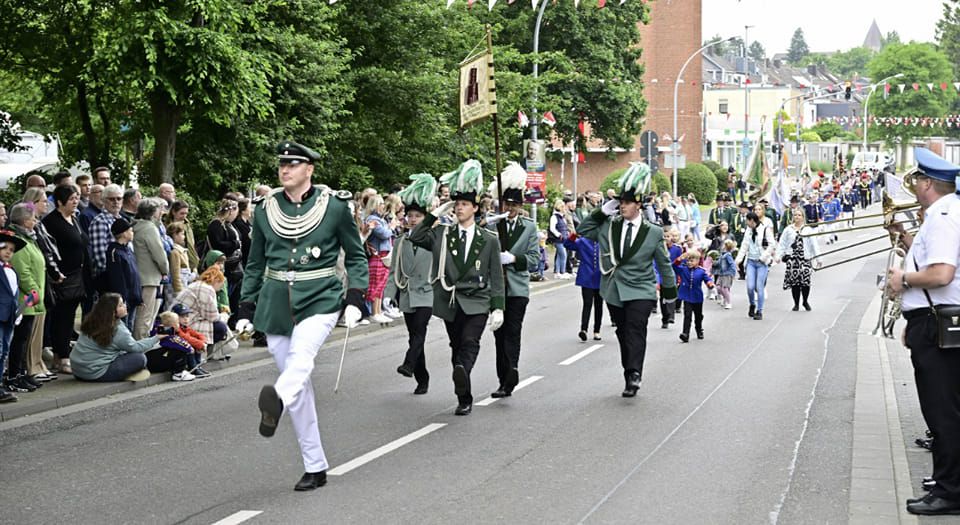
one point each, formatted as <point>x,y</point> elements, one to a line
<point>478,94</point>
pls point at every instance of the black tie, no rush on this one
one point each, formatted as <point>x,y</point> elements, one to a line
<point>463,243</point>
<point>628,240</point>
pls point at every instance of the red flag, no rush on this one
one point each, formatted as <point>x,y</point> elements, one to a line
<point>916,87</point>
<point>522,119</point>
<point>581,125</point>
<point>581,158</point>
<point>549,119</point>
<point>601,3</point>
<point>943,86</point>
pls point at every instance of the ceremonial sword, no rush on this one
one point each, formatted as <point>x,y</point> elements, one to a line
<point>343,353</point>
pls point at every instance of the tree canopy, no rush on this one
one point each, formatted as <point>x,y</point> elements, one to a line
<point>798,47</point>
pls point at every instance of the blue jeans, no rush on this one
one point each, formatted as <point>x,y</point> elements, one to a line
<point>121,367</point>
<point>560,261</point>
<point>756,281</point>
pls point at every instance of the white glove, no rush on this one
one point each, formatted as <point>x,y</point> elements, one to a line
<point>496,320</point>
<point>507,258</point>
<point>444,209</point>
<point>351,316</point>
<point>493,218</point>
<point>611,207</point>
<point>244,326</point>
<point>386,303</point>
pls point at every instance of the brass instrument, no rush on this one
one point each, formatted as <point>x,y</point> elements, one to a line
<point>890,303</point>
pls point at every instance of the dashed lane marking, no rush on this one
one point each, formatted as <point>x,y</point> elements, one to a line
<point>384,450</point>
<point>491,400</point>
<point>573,359</point>
<point>238,517</point>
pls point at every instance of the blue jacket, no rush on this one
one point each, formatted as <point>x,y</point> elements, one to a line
<point>726,266</point>
<point>122,275</point>
<point>691,281</point>
<point>588,275</point>
<point>9,305</point>
<point>381,238</point>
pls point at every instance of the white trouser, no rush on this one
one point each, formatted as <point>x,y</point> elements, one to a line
<point>294,356</point>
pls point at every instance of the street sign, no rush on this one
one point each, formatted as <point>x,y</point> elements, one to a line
<point>681,161</point>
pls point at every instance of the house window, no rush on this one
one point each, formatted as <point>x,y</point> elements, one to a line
<point>723,106</point>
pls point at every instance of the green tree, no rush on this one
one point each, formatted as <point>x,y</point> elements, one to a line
<point>757,52</point>
<point>918,62</point>
<point>798,47</point>
<point>699,180</point>
<point>850,63</point>
<point>826,130</point>
<point>948,32</point>
<point>892,37</point>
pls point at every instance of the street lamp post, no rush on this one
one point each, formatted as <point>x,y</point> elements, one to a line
<point>534,122</point>
<point>675,146</point>
<point>746,96</point>
<point>866,104</point>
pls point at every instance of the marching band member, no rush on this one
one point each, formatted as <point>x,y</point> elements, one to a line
<point>291,292</point>
<point>628,248</point>
<point>468,278</point>
<point>410,279</point>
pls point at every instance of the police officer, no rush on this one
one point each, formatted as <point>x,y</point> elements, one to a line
<point>520,251</point>
<point>409,283</point>
<point>628,248</point>
<point>930,279</point>
<point>468,283</point>
<point>292,293</point>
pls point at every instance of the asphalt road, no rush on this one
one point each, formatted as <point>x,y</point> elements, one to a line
<point>751,425</point>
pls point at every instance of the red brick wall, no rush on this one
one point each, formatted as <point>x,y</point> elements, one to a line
<point>672,35</point>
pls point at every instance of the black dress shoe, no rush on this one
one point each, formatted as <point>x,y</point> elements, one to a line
<point>510,382</point>
<point>751,311</point>
<point>911,501</point>
<point>806,306</point>
<point>461,381</point>
<point>500,392</point>
<point>405,370</point>
<point>664,326</point>
<point>684,337</point>
<point>582,335</point>
<point>421,389</point>
<point>311,480</point>
<point>934,506</point>
<point>699,334</point>
<point>632,385</point>
<point>758,316</point>
<point>464,409</point>
<point>271,407</point>
<point>796,308</point>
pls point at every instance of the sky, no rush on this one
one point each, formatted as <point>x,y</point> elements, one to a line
<point>828,25</point>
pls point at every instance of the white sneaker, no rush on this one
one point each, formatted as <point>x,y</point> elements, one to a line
<point>184,376</point>
<point>727,306</point>
<point>380,318</point>
<point>394,313</point>
<point>363,322</point>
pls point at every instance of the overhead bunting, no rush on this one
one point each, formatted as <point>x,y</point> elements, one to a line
<point>533,3</point>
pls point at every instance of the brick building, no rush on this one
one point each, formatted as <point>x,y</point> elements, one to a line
<point>673,34</point>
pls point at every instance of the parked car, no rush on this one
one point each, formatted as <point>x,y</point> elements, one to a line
<point>870,160</point>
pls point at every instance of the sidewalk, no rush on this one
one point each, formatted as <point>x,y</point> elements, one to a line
<point>67,391</point>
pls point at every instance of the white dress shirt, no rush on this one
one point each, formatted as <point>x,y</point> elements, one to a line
<point>637,222</point>
<point>937,242</point>
<point>465,247</point>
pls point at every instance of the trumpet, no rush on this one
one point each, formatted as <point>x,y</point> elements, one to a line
<point>890,303</point>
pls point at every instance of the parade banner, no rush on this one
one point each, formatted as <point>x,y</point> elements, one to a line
<point>478,95</point>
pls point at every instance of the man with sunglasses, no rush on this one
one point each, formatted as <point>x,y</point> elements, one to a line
<point>928,280</point>
<point>100,234</point>
<point>292,293</point>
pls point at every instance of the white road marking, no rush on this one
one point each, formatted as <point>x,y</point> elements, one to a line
<point>491,400</point>
<point>386,449</point>
<point>579,356</point>
<point>238,517</point>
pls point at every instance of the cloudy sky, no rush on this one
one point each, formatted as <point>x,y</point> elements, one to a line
<point>828,25</point>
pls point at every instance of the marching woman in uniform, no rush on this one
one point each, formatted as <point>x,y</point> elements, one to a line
<point>291,292</point>
<point>410,279</point>
<point>628,247</point>
<point>468,279</point>
<point>520,251</point>
<point>798,252</point>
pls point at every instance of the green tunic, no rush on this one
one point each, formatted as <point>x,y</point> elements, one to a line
<point>282,304</point>
<point>410,276</point>
<point>629,276</point>
<point>522,242</point>
<point>476,285</point>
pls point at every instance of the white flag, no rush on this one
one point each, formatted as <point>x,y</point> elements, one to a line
<point>450,3</point>
<point>576,4</point>
<point>930,86</point>
<point>535,3</point>
<point>490,4</point>
<point>956,85</point>
<point>901,87</point>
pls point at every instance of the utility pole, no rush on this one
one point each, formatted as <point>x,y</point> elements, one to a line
<point>746,100</point>
<point>534,120</point>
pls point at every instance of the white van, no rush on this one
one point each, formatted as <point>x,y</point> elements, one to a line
<point>870,160</point>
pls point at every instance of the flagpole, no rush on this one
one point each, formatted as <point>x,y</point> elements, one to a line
<point>496,135</point>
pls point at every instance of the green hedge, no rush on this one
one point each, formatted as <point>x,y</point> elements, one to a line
<point>610,181</point>
<point>662,183</point>
<point>699,180</point>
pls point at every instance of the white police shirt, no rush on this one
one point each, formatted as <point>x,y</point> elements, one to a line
<point>937,242</point>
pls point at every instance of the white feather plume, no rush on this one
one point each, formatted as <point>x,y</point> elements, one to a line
<point>514,178</point>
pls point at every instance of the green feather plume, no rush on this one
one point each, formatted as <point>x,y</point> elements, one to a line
<point>467,178</point>
<point>422,189</point>
<point>636,179</point>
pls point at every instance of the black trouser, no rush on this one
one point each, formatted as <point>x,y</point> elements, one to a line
<point>591,300</point>
<point>631,319</point>
<point>798,291</point>
<point>666,313</point>
<point>163,360</point>
<point>864,198</point>
<point>937,374</point>
<point>464,333</point>
<point>507,337</point>
<point>17,359</point>
<point>417,322</point>
<point>692,312</point>
<point>61,326</point>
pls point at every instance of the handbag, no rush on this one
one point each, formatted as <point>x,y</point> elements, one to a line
<point>948,323</point>
<point>71,288</point>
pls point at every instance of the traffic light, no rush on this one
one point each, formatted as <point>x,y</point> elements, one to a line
<point>846,91</point>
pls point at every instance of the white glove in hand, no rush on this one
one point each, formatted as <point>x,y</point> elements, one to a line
<point>494,218</point>
<point>444,209</point>
<point>387,302</point>
<point>611,207</point>
<point>507,258</point>
<point>351,316</point>
<point>244,326</point>
<point>496,320</point>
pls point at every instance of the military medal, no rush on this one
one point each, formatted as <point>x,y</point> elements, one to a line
<point>304,259</point>
<point>454,252</point>
<point>478,265</point>
<point>315,252</point>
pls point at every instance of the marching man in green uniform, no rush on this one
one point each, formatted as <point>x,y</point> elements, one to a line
<point>628,247</point>
<point>291,292</point>
<point>410,279</point>
<point>521,251</point>
<point>468,278</point>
